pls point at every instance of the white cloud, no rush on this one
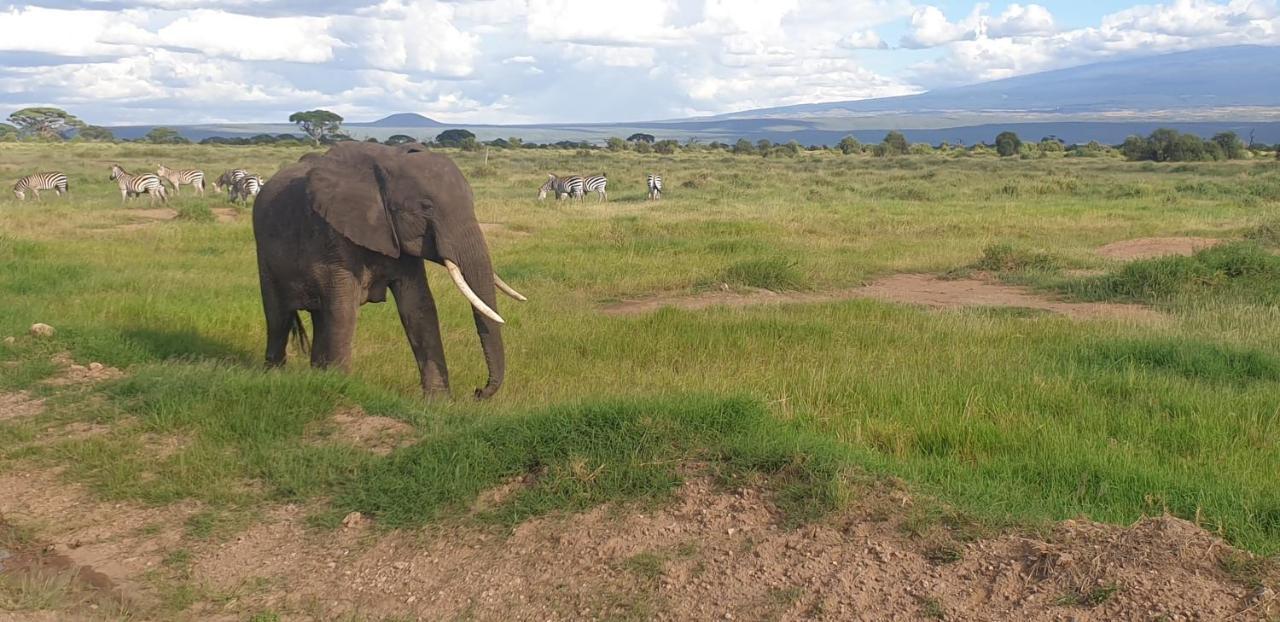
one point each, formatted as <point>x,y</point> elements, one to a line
<point>1017,19</point>
<point>930,28</point>
<point>69,33</point>
<point>634,22</point>
<point>863,40</point>
<point>244,37</point>
<point>419,36</point>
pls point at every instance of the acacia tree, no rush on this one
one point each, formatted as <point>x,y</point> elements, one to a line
<point>849,145</point>
<point>639,137</point>
<point>455,138</point>
<point>44,122</point>
<point>166,136</point>
<point>318,124</point>
<point>8,132</point>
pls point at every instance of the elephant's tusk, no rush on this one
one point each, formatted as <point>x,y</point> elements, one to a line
<point>507,289</point>
<point>456,273</point>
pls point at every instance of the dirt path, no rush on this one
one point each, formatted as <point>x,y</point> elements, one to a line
<point>712,554</point>
<point>917,289</point>
<point>1146,248</point>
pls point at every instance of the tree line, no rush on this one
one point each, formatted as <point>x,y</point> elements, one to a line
<point>320,127</point>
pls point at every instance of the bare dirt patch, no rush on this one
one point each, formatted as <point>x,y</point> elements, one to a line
<point>19,405</point>
<point>711,554</point>
<point>73,373</point>
<point>377,434</point>
<point>226,214</point>
<point>917,289</point>
<point>1147,248</point>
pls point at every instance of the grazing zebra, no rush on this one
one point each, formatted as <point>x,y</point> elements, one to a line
<point>655,187</point>
<point>136,185</point>
<point>229,178</point>
<point>191,176</point>
<point>596,184</point>
<point>571,187</point>
<point>246,188</point>
<point>54,180</point>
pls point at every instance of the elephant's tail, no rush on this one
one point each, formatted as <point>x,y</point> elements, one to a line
<point>300,334</point>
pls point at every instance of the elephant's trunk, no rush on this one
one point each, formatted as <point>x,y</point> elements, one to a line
<point>473,259</point>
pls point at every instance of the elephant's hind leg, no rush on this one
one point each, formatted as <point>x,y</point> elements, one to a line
<point>280,321</point>
<point>422,326</point>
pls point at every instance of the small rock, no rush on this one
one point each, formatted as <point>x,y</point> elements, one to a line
<point>41,330</point>
<point>95,367</point>
<point>353,520</point>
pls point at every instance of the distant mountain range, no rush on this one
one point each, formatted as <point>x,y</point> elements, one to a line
<point>1206,91</point>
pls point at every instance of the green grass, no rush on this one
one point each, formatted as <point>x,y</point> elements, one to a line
<point>1004,416</point>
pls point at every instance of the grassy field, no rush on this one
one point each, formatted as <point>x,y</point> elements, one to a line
<point>1007,416</point>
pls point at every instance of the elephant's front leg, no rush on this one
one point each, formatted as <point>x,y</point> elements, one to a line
<point>422,326</point>
<point>335,327</point>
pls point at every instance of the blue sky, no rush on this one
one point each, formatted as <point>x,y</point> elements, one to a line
<point>512,61</point>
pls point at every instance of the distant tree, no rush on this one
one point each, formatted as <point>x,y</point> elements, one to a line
<point>666,147</point>
<point>94,133</point>
<point>743,147</point>
<point>373,139</point>
<point>44,123</point>
<point>469,144</point>
<point>614,143</point>
<point>1136,148</point>
<point>1051,144</point>
<point>515,142</point>
<point>1008,144</point>
<point>764,145</point>
<point>164,136</point>
<point>894,143</point>
<point>8,132</point>
<point>920,149</point>
<point>499,143</point>
<point>791,149</point>
<point>318,124</point>
<point>850,145</point>
<point>641,138</point>
<point>1231,145</point>
<point>399,139</point>
<point>643,147</point>
<point>454,138</point>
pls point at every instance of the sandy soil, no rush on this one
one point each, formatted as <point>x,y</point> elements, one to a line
<point>376,434</point>
<point>1146,248</point>
<point>918,289</point>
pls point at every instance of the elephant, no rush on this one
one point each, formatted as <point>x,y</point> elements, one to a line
<point>337,230</point>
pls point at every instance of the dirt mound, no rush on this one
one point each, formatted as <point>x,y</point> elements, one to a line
<point>918,289</point>
<point>19,405</point>
<point>1146,248</point>
<point>380,435</point>
<point>712,554</point>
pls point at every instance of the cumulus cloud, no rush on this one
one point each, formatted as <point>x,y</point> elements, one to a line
<point>417,36</point>
<point>1017,19</point>
<point>931,28</point>
<point>634,22</point>
<point>232,35</point>
<point>863,40</point>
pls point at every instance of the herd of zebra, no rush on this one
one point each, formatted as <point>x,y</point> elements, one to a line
<point>577,186</point>
<point>240,184</point>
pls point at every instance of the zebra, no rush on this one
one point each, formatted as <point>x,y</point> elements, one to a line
<point>229,178</point>
<point>246,188</point>
<point>596,184</point>
<point>191,176</point>
<point>571,187</point>
<point>54,180</point>
<point>135,185</point>
<point>655,187</point>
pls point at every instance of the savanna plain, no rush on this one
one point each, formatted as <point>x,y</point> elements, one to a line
<point>722,404</point>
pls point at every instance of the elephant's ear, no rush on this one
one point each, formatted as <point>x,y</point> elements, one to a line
<point>350,198</point>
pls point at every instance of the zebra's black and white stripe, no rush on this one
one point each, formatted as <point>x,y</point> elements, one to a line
<point>563,187</point>
<point>228,178</point>
<point>246,188</point>
<point>597,184</point>
<point>176,178</point>
<point>53,180</point>
<point>135,185</point>
<point>655,186</point>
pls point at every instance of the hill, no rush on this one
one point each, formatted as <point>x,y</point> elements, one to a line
<point>1235,76</point>
<point>401,119</point>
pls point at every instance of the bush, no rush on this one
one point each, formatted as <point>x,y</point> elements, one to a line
<point>1242,271</point>
<point>1007,258</point>
<point>774,273</point>
<point>1008,144</point>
